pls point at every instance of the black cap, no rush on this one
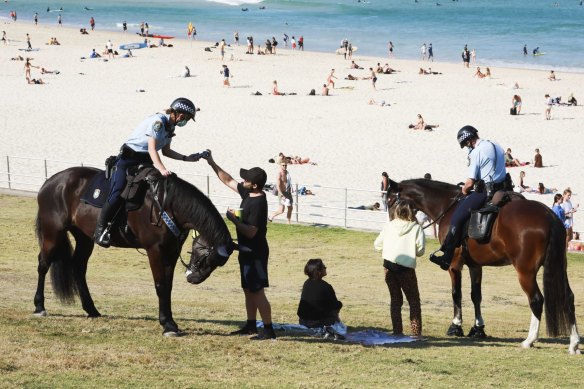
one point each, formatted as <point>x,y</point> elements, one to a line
<point>255,175</point>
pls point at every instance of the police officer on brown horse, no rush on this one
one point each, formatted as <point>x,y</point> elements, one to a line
<point>153,134</point>
<point>486,165</point>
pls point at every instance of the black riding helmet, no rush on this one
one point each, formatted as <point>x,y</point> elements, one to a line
<point>184,105</point>
<point>466,133</point>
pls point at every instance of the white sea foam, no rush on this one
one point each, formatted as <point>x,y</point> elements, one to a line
<point>236,2</point>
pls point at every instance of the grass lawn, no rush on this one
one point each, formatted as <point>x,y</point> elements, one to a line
<point>125,348</point>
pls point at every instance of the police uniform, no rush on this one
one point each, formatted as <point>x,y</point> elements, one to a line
<point>487,163</point>
<point>135,151</point>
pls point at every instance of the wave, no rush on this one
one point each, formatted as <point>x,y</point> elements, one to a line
<point>236,2</point>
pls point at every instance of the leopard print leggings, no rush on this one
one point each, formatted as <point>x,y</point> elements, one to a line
<point>407,282</point>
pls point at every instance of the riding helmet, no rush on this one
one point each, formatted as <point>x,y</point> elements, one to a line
<point>184,105</point>
<point>466,133</point>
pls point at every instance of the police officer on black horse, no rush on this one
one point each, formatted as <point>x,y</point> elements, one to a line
<point>486,164</point>
<point>153,134</point>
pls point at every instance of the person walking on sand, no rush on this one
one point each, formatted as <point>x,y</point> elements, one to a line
<point>236,38</point>
<point>373,78</point>
<point>423,51</point>
<point>110,49</point>
<point>60,21</point>
<point>284,185</point>
<point>27,41</point>
<point>4,38</point>
<point>251,231</point>
<point>329,80</point>
<point>430,53</point>
<point>226,75</point>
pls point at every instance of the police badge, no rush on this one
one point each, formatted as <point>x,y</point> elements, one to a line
<point>157,126</point>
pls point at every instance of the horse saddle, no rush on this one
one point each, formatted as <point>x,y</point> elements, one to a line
<point>482,220</point>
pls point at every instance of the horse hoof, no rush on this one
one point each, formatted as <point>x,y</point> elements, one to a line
<point>477,332</point>
<point>94,315</point>
<point>525,344</point>
<point>42,313</point>
<point>455,330</point>
<point>173,334</point>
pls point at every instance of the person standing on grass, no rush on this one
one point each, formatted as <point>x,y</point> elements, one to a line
<point>401,241</point>
<point>251,233</point>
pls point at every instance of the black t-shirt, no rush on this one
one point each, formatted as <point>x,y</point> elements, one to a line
<point>318,300</point>
<point>255,213</point>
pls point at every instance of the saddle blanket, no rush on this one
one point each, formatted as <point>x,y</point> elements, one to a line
<point>366,337</point>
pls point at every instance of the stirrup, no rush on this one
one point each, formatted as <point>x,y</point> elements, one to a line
<point>103,239</point>
<point>439,260</point>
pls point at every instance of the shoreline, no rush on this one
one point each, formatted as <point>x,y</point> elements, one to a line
<point>511,66</point>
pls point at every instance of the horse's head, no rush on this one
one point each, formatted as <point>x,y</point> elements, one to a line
<point>206,258</point>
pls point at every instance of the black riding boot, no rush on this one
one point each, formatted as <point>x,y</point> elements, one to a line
<point>448,247</point>
<point>102,233</point>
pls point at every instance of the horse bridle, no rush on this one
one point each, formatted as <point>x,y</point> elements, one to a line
<point>397,200</point>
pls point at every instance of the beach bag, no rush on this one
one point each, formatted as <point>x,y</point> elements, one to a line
<point>312,93</point>
<point>513,111</point>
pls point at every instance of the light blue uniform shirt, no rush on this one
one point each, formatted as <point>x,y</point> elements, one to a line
<point>482,162</point>
<point>151,127</point>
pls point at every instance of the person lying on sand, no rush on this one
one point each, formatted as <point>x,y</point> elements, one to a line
<point>427,72</point>
<point>388,70</point>
<point>479,74</point>
<point>381,103</point>
<point>34,81</point>
<point>45,71</point>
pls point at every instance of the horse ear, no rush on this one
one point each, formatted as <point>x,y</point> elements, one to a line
<point>393,186</point>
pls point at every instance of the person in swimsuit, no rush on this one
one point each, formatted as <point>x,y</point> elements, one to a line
<point>329,80</point>
<point>516,103</point>
<point>373,78</point>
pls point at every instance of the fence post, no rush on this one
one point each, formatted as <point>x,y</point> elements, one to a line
<point>46,171</point>
<point>8,170</point>
<point>345,207</point>
<point>297,204</point>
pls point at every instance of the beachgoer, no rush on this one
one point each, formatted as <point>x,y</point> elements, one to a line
<point>384,187</point>
<point>28,41</point>
<point>226,75</point>
<point>325,90</point>
<point>421,125</point>
<point>284,185</point>
<point>285,39</point>
<point>27,67</point>
<point>569,211</point>
<point>36,18</point>
<point>186,72</point>
<point>371,207</point>
<point>542,189</point>
<point>355,66</point>
<point>35,80</point>
<point>488,72</point>
<point>537,159</point>
<point>465,57</point>
<point>522,186</point>
<point>236,38</point>
<point>274,44</point>
<point>557,208</point>
<point>329,79</point>
<point>124,26</point>
<point>430,53</point>
<point>319,306</point>
<point>373,78</point>
<point>478,73</point>
<point>524,49</point>
<point>401,241</point>
<point>293,41</point>
<point>4,38</point>
<point>509,160</point>
<point>94,54</point>
<point>92,23</point>
<point>301,43</point>
<point>60,21</point>
<point>390,49</point>
<point>548,107</point>
<point>222,48</point>
<point>251,233</point>
<point>473,56</point>
<point>275,90</point>
<point>110,49</point>
<point>423,52</point>
<point>153,134</point>
<point>516,104</point>
<point>486,163</point>
<point>552,76</point>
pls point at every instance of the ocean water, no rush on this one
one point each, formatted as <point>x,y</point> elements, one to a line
<point>496,29</point>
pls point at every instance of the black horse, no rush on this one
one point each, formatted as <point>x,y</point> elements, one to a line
<point>61,212</point>
<point>526,234</point>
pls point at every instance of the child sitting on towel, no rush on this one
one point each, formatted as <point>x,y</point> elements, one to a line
<point>318,306</point>
<point>402,240</point>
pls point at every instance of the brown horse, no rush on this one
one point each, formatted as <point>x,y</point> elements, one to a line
<point>526,234</point>
<point>61,212</point>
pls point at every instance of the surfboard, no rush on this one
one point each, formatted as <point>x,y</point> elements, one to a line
<point>538,54</point>
<point>341,50</point>
<point>132,46</point>
<point>29,49</point>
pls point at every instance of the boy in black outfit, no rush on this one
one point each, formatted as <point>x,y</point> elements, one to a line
<point>251,233</point>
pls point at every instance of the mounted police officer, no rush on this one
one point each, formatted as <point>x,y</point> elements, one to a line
<point>153,134</point>
<point>486,175</point>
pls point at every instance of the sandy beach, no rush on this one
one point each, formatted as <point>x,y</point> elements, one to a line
<point>85,112</point>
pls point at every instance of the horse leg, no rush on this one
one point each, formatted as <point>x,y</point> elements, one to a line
<point>476,278</point>
<point>83,249</point>
<point>529,285</point>
<point>574,336</point>
<point>39,297</point>
<point>455,328</point>
<point>163,275</point>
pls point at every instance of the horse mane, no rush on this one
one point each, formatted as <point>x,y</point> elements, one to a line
<point>192,204</point>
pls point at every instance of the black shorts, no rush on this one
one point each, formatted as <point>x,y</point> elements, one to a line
<point>110,51</point>
<point>254,274</point>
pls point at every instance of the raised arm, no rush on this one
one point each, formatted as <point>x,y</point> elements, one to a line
<point>222,174</point>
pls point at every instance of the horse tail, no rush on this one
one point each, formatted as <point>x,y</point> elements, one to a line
<point>559,305</point>
<point>62,273</point>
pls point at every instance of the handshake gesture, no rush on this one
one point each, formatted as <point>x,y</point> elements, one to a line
<point>196,156</point>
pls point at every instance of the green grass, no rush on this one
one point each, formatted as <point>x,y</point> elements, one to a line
<point>124,348</point>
